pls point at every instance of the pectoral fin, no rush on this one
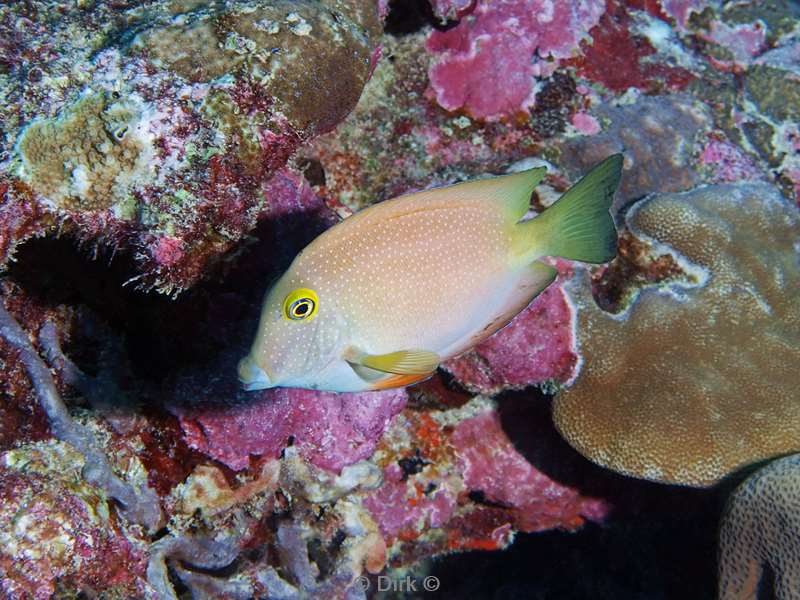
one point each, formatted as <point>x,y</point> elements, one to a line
<point>403,362</point>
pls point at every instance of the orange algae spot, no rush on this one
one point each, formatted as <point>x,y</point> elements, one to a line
<point>420,494</point>
<point>456,541</point>
<point>408,535</point>
<point>428,431</point>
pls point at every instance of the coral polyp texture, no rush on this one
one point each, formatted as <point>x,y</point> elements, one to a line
<point>723,338</point>
<point>760,530</point>
<point>194,148</point>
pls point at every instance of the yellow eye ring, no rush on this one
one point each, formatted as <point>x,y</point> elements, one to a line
<point>300,305</point>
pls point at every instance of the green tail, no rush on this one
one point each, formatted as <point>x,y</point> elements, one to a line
<point>578,226</point>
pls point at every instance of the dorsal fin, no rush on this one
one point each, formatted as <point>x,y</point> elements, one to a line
<point>512,192</point>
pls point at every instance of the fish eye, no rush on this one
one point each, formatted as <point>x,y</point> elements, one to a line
<point>300,305</point>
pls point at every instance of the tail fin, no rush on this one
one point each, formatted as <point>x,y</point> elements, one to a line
<point>579,225</point>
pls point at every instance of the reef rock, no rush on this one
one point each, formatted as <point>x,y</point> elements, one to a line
<point>159,130</point>
<point>657,136</point>
<point>57,532</point>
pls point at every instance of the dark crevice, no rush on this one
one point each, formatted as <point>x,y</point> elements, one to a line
<point>410,16</point>
<point>160,336</point>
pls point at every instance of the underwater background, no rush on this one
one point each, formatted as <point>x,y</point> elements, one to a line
<point>632,434</point>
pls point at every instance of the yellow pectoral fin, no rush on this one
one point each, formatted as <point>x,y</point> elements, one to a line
<point>403,362</point>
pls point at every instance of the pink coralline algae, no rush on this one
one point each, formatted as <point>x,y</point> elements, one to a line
<point>487,65</point>
<point>464,486</point>
<point>490,464</point>
<point>537,347</point>
<point>57,532</point>
<point>728,162</point>
<point>585,123</point>
<point>329,430</point>
<point>290,194</point>
<point>743,41</point>
<point>400,508</point>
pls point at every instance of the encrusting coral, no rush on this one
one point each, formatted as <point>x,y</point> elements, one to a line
<point>761,529</point>
<point>724,348</point>
<point>88,158</point>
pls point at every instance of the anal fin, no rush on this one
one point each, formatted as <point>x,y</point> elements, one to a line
<point>533,280</point>
<point>404,367</point>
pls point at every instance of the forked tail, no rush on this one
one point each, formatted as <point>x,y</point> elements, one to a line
<point>578,226</point>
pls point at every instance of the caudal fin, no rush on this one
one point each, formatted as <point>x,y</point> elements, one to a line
<point>578,226</point>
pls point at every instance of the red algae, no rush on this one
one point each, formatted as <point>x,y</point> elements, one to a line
<point>617,59</point>
<point>492,466</point>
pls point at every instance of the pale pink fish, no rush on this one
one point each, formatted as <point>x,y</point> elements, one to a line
<point>380,299</point>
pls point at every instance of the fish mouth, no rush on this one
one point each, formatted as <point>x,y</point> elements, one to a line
<point>252,377</point>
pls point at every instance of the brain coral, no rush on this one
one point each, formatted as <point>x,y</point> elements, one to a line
<point>761,525</point>
<point>689,385</point>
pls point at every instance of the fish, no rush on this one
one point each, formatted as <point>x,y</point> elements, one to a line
<point>380,299</point>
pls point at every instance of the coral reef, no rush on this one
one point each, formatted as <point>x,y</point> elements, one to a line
<point>760,530</point>
<point>58,533</point>
<point>158,131</point>
<point>194,147</point>
<point>723,341</point>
